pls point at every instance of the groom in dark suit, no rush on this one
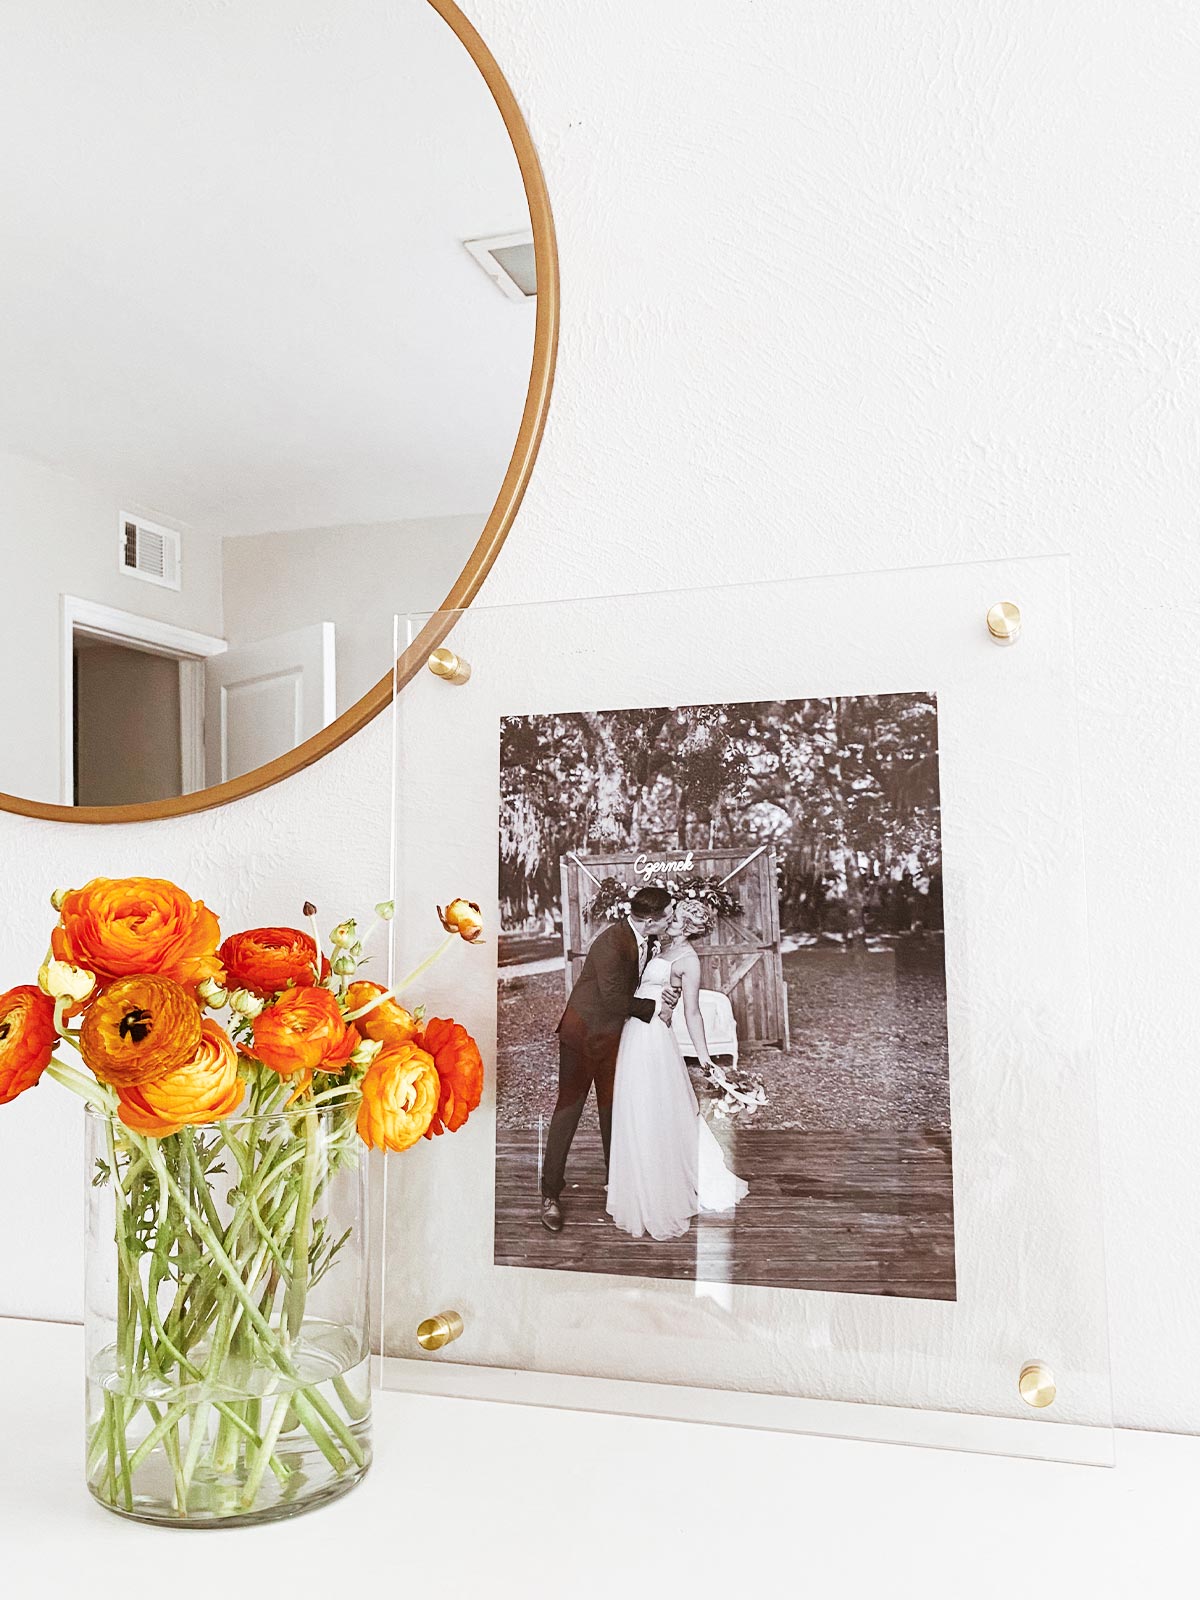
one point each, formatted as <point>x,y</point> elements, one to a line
<point>589,1034</point>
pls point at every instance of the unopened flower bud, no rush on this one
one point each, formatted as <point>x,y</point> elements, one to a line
<point>57,898</point>
<point>367,1050</point>
<point>463,917</point>
<point>61,981</point>
<point>344,935</point>
<point>345,964</point>
<point>246,1004</point>
<point>385,910</point>
<point>309,909</point>
<point>214,994</point>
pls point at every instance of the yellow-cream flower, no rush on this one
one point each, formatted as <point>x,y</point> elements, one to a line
<point>399,1098</point>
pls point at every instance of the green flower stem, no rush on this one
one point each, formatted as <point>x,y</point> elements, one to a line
<point>423,968</point>
<point>197,1438</point>
<point>115,1420</point>
<point>148,1318</point>
<point>224,1409</point>
<point>309,1400</point>
<point>89,1089</point>
<point>246,1209</point>
<point>355,1408</point>
<point>163,1423</point>
<point>199,1182</point>
<point>302,1237</point>
<point>264,1452</point>
<point>405,983</point>
<point>106,1432</point>
<point>224,1448</point>
<point>208,1291</point>
<point>117,1428</point>
<point>115,1414</point>
<point>175,1459</point>
<point>168,1225</point>
<point>307,1404</point>
<point>165,1234</point>
<point>280,1468</point>
<point>331,1095</point>
<point>202,1316</point>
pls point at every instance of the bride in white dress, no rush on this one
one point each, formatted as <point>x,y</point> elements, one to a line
<point>665,1163</point>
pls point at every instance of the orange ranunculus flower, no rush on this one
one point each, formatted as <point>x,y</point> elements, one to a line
<point>388,1023</point>
<point>138,1029</point>
<point>399,1097</point>
<point>304,1031</point>
<point>116,927</point>
<point>27,1039</point>
<point>460,1069</point>
<point>465,917</point>
<point>205,1090</point>
<point>266,960</point>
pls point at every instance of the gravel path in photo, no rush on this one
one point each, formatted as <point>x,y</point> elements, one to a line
<point>868,1047</point>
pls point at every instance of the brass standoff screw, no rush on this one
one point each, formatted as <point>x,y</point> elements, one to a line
<point>1004,622</point>
<point>1036,1385</point>
<point>436,1332</point>
<point>446,664</point>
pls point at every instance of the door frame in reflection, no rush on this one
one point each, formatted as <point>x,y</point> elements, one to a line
<point>91,620</point>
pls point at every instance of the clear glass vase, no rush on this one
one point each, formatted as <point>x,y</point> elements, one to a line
<point>228,1349</point>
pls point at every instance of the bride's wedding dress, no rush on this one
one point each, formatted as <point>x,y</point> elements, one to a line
<point>665,1163</point>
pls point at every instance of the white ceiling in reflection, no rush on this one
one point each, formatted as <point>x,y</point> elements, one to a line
<point>233,282</point>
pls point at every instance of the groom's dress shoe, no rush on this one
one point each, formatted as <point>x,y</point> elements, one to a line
<point>552,1217</point>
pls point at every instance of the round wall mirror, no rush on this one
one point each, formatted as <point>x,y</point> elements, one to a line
<point>279,304</point>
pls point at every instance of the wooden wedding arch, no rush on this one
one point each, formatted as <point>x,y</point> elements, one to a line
<point>743,957</point>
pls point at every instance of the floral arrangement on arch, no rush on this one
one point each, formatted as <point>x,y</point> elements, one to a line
<point>614,897</point>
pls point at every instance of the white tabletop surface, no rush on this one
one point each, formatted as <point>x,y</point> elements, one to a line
<point>471,1498</point>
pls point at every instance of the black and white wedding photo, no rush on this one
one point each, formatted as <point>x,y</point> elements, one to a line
<point>722,996</point>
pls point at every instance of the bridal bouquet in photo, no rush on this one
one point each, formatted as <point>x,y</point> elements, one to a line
<point>231,1086</point>
<point>738,1094</point>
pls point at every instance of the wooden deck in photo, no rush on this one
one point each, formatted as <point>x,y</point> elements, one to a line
<point>836,1210</point>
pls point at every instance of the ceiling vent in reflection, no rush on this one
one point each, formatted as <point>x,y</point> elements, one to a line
<point>150,552</point>
<point>509,262</point>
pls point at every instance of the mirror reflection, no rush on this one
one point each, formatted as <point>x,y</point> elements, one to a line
<point>268,320</point>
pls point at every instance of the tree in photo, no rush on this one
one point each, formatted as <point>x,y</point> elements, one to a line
<point>845,788</point>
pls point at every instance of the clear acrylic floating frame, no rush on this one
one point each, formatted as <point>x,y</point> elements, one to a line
<point>869,809</point>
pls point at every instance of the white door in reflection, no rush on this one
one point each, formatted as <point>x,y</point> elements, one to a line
<point>264,698</point>
<point>151,712</point>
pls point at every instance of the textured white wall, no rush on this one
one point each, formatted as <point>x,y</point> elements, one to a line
<point>871,284</point>
<point>845,285</point>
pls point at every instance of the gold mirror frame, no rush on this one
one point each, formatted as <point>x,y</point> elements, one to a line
<point>500,520</point>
